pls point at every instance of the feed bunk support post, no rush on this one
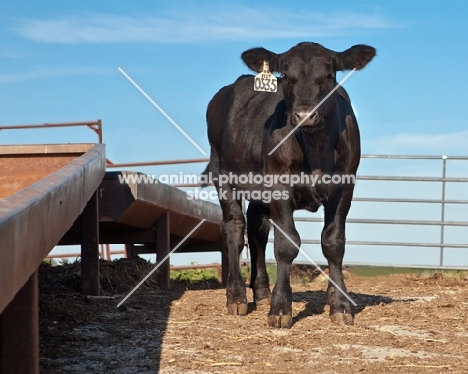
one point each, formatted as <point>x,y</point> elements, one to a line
<point>90,247</point>
<point>19,331</point>
<point>163,248</point>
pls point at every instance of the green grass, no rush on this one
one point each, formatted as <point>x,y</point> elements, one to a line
<point>374,271</point>
<point>271,270</point>
<point>194,275</point>
<point>457,274</point>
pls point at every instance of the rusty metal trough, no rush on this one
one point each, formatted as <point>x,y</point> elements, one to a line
<point>60,195</point>
<point>44,188</point>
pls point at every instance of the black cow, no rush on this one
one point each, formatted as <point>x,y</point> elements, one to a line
<point>244,126</point>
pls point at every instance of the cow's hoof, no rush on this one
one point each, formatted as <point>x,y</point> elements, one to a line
<point>342,319</point>
<point>237,309</point>
<point>281,321</point>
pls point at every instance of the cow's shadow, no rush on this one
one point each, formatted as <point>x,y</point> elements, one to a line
<point>316,300</point>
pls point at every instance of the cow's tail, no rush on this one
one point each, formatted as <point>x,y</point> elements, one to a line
<point>205,175</point>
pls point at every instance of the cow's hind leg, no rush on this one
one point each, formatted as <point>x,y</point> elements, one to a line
<point>258,227</point>
<point>333,247</point>
<point>233,229</point>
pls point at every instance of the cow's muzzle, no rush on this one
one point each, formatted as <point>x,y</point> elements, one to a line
<point>305,117</point>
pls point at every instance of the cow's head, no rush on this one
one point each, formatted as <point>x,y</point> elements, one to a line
<point>308,73</point>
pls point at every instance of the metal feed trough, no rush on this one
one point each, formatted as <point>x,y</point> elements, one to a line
<point>61,194</point>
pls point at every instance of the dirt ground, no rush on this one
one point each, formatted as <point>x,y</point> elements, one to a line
<point>403,324</point>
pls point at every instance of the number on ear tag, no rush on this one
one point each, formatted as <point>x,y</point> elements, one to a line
<point>265,81</point>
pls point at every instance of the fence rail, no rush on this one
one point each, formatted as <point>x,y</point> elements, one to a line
<point>96,126</point>
<point>442,223</point>
<point>442,201</point>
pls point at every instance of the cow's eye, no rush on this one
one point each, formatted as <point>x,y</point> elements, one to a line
<point>331,77</point>
<point>287,79</point>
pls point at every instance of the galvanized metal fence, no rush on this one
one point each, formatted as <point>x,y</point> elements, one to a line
<point>442,201</point>
<point>440,165</point>
<point>437,177</point>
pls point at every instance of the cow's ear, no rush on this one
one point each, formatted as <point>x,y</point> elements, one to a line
<point>254,58</point>
<point>355,57</point>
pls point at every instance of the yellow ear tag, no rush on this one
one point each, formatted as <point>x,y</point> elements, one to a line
<point>265,81</point>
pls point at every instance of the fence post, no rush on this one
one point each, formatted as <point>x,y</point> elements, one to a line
<point>442,211</point>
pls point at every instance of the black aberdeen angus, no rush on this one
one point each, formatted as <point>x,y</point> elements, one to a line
<point>244,126</point>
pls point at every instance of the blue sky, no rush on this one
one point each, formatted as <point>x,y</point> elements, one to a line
<point>59,63</point>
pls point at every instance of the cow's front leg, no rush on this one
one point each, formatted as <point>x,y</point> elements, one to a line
<point>286,245</point>
<point>333,247</point>
<point>232,230</point>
